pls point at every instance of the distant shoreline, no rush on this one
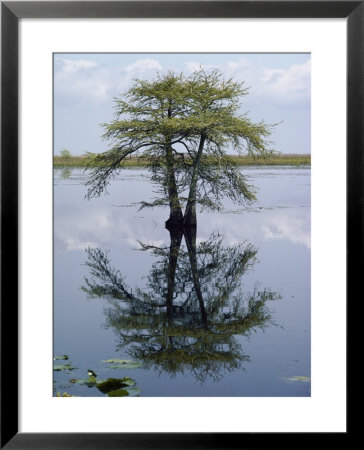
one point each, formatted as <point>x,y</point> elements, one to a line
<point>288,159</point>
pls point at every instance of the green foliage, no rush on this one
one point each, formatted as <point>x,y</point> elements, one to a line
<point>66,154</point>
<point>183,127</point>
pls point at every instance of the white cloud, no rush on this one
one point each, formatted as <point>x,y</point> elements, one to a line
<point>75,244</point>
<point>81,79</point>
<point>193,66</point>
<point>85,81</point>
<point>70,66</point>
<point>243,63</point>
<point>276,86</point>
<point>143,65</point>
<point>292,84</point>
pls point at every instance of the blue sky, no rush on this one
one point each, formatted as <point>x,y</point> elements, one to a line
<point>85,86</point>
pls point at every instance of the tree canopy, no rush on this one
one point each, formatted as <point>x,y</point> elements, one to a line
<point>183,127</point>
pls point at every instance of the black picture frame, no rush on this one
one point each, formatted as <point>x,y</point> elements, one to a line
<point>11,12</point>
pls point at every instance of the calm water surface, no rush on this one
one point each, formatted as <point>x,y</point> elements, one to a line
<point>225,312</point>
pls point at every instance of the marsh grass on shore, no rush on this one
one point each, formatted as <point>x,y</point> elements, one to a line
<point>276,160</point>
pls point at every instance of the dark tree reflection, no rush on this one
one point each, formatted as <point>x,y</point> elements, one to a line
<point>192,308</point>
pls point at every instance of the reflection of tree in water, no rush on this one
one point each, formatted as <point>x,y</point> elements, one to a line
<point>66,173</point>
<point>188,315</point>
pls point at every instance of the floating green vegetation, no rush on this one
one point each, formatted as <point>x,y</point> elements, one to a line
<point>60,357</point>
<point>65,394</point>
<point>299,378</point>
<point>60,367</point>
<point>113,387</point>
<point>123,364</point>
<point>90,381</point>
<point>114,384</point>
<point>128,392</point>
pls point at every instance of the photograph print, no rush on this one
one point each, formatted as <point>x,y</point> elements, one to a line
<point>181,213</point>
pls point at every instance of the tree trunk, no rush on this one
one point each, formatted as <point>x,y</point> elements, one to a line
<point>190,219</point>
<point>175,215</point>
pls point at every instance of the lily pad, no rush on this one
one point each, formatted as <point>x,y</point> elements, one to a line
<point>118,393</point>
<point>123,364</point>
<point>114,384</point>
<point>299,378</point>
<point>59,367</point>
<point>133,392</point>
<point>126,366</point>
<point>121,361</point>
<point>127,392</point>
<point>90,381</point>
<point>60,357</point>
